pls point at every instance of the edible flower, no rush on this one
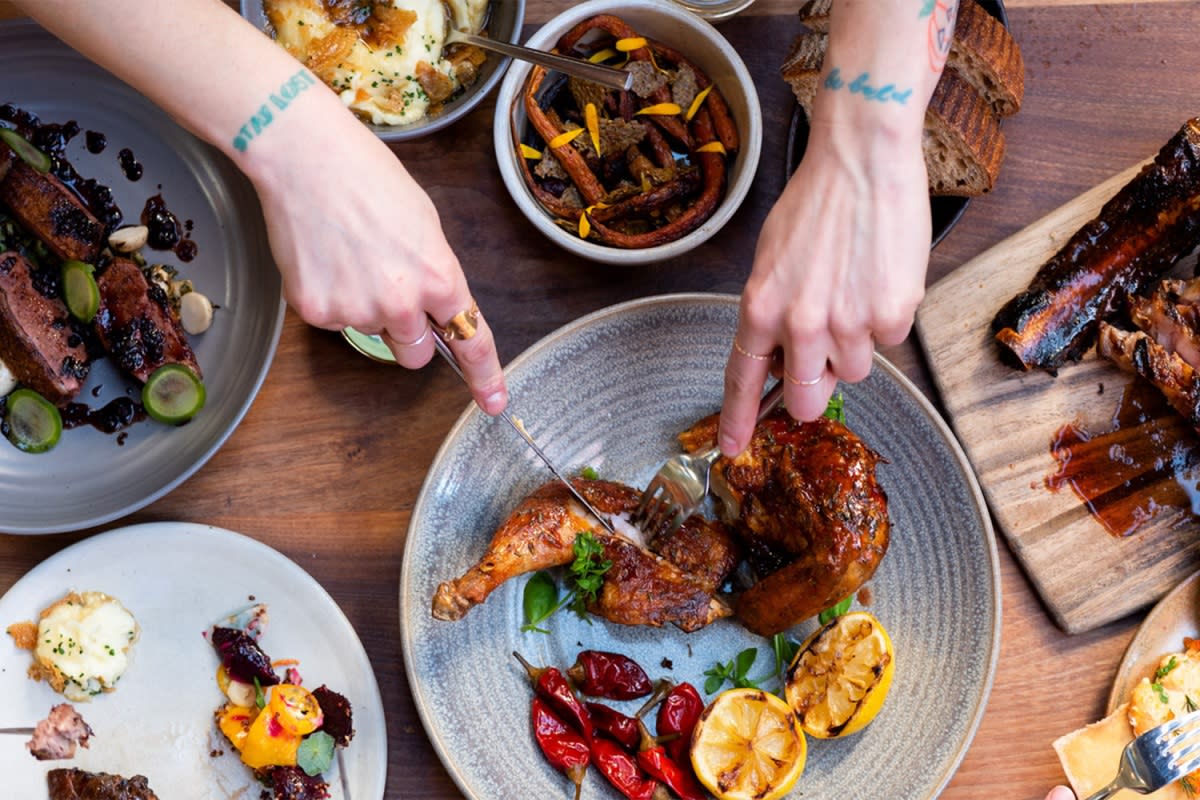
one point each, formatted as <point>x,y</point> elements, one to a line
<point>711,147</point>
<point>530,153</point>
<point>592,120</point>
<point>585,225</point>
<point>602,55</point>
<point>630,44</point>
<point>696,102</point>
<point>661,109</point>
<point>566,137</point>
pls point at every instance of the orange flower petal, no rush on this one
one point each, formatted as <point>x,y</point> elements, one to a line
<point>632,43</point>
<point>585,227</point>
<point>602,55</point>
<point>592,119</point>
<point>661,109</point>
<point>696,102</point>
<point>711,147</point>
<point>530,153</point>
<point>566,137</point>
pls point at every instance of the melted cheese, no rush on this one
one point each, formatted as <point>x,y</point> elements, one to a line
<point>377,79</point>
<point>83,643</point>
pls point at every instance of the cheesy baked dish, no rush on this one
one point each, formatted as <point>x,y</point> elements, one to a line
<point>386,59</point>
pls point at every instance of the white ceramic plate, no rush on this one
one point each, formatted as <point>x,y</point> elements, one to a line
<point>1162,631</point>
<point>610,391</point>
<point>178,579</point>
<point>92,477</point>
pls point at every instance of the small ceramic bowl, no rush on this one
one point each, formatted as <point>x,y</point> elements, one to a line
<point>504,23</point>
<point>702,45</point>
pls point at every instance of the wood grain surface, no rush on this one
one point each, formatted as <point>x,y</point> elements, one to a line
<point>1007,420</point>
<point>328,461</point>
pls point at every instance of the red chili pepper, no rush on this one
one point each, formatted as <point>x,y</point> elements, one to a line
<point>563,747</point>
<point>658,764</point>
<point>678,714</point>
<point>622,728</point>
<point>611,675</point>
<point>553,687</point>
<point>623,772</point>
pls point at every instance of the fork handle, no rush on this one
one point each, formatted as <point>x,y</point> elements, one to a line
<point>1107,791</point>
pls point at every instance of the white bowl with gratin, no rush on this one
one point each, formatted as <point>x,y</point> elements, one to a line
<point>701,44</point>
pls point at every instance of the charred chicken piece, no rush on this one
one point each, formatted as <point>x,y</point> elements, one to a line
<point>50,211</point>
<point>806,494</point>
<point>1139,353</point>
<point>75,784</point>
<point>703,548</point>
<point>136,323</point>
<point>640,588</point>
<point>57,736</point>
<point>1150,223</point>
<point>36,340</point>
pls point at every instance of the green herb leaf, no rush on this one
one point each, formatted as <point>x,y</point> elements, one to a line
<point>745,660</point>
<point>713,683</point>
<point>587,571</point>
<point>540,601</point>
<point>315,753</point>
<point>836,611</point>
<point>836,410</point>
<point>785,650</point>
<point>260,699</point>
<point>589,473</point>
<point>1189,703</point>
<point>1161,692</point>
<point>1165,669</point>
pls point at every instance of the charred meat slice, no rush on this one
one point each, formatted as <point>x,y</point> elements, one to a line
<point>1137,352</point>
<point>75,784</point>
<point>1150,223</point>
<point>51,212</point>
<point>36,339</point>
<point>57,736</point>
<point>136,323</point>
<point>705,549</point>
<point>1172,320</point>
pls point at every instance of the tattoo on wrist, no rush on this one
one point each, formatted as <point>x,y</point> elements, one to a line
<point>887,93</point>
<point>942,14</point>
<point>278,100</point>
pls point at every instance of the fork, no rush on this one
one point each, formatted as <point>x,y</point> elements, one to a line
<point>1157,757</point>
<point>681,483</point>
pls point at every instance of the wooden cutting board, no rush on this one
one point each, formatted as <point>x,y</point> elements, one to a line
<point>1007,421</point>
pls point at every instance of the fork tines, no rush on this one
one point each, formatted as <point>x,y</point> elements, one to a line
<point>1178,740</point>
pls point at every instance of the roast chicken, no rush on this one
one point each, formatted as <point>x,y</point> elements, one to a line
<point>804,499</point>
<point>640,588</point>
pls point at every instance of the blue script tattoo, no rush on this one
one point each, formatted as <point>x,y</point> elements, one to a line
<point>888,93</point>
<point>280,100</point>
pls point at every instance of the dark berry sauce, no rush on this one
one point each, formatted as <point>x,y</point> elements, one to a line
<point>96,142</point>
<point>116,415</point>
<point>129,165</point>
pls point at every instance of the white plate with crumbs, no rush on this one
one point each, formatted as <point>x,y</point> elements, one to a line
<point>178,579</point>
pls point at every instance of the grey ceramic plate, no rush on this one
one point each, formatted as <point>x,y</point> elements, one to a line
<point>177,579</point>
<point>1175,616</point>
<point>610,391</point>
<point>91,477</point>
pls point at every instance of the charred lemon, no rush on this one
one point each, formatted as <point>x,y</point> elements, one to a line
<point>746,745</point>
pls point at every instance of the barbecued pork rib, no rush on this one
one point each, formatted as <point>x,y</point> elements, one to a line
<point>75,784</point>
<point>136,324</point>
<point>1171,316</point>
<point>51,212</point>
<point>640,588</point>
<point>1137,352</point>
<point>36,340</point>
<point>1138,234</point>
<point>804,498</point>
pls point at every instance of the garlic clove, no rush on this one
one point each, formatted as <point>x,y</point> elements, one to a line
<point>8,381</point>
<point>129,238</point>
<point>241,694</point>
<point>195,312</point>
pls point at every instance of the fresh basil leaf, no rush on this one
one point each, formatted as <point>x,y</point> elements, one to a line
<point>834,612</point>
<point>744,661</point>
<point>315,753</point>
<point>260,699</point>
<point>540,601</point>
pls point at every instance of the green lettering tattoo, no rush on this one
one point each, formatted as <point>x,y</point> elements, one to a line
<point>887,93</point>
<point>279,100</point>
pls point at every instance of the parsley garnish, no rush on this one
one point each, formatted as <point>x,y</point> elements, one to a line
<point>587,571</point>
<point>589,473</point>
<point>836,410</point>
<point>1165,669</point>
<point>1161,692</point>
<point>736,672</point>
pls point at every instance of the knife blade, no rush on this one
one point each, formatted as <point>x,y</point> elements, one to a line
<point>445,352</point>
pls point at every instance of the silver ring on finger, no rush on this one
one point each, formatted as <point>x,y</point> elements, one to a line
<point>424,335</point>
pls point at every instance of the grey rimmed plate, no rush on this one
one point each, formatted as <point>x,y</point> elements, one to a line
<point>92,477</point>
<point>610,391</point>
<point>178,579</point>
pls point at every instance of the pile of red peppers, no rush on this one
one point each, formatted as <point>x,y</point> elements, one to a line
<point>574,734</point>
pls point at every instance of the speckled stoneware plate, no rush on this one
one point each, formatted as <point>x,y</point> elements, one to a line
<point>610,391</point>
<point>1162,631</point>
<point>178,579</point>
<point>91,477</point>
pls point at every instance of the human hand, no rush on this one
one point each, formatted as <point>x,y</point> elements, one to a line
<point>840,266</point>
<point>1060,793</point>
<point>359,244</point>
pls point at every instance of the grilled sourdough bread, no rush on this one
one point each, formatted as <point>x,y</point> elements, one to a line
<point>962,140</point>
<point>983,52</point>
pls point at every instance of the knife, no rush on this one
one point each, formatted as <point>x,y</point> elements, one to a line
<point>445,352</point>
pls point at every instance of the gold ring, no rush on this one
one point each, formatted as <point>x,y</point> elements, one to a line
<point>793,379</point>
<point>415,341</point>
<point>747,353</point>
<point>462,325</point>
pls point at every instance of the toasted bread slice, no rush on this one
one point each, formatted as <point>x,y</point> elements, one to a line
<point>983,53</point>
<point>962,141</point>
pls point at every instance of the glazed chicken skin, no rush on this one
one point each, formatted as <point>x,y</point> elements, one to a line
<point>805,500</point>
<point>640,588</point>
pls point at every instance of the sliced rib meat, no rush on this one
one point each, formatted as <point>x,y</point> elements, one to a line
<point>1171,320</point>
<point>51,212</point>
<point>36,340</point>
<point>1137,352</point>
<point>75,784</point>
<point>136,324</point>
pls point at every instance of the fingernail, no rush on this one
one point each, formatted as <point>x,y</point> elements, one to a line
<point>494,403</point>
<point>728,446</point>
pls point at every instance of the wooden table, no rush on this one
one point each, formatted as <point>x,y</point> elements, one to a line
<point>328,462</point>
